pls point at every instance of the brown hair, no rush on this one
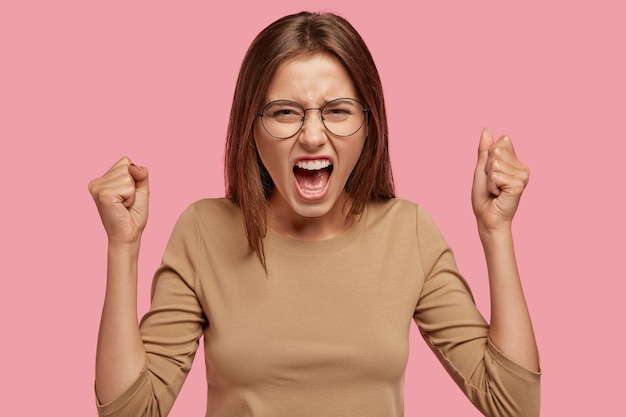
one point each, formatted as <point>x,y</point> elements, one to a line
<point>248,183</point>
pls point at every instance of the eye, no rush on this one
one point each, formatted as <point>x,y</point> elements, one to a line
<point>284,112</point>
<point>339,110</point>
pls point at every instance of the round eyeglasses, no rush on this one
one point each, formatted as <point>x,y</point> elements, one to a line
<point>283,119</point>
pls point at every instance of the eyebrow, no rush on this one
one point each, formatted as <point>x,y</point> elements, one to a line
<point>306,107</point>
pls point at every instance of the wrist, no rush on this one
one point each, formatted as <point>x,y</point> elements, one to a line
<point>122,269</point>
<point>124,249</point>
<point>495,235</point>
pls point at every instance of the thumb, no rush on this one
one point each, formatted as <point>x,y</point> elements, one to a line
<point>479,186</point>
<point>140,175</point>
<point>486,140</point>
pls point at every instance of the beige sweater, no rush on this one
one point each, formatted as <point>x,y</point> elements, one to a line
<point>325,334</point>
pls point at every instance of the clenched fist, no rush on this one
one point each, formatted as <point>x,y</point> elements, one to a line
<point>499,180</point>
<point>121,196</point>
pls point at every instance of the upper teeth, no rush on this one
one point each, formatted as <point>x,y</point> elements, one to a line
<point>313,165</point>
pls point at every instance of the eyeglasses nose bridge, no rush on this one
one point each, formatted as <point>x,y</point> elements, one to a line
<point>312,108</point>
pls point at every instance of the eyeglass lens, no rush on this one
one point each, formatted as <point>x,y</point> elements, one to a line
<point>284,118</point>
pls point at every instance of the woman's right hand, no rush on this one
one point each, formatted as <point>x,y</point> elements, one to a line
<point>121,196</point>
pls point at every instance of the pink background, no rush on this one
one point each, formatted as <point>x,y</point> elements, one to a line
<point>83,83</point>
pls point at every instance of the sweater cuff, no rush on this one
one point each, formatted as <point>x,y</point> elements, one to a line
<point>512,367</point>
<point>110,408</point>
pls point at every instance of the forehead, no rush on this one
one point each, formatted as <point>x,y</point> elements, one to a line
<point>311,80</point>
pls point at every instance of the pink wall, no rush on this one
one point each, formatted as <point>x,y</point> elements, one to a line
<point>83,83</point>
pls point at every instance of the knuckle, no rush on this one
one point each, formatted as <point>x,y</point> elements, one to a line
<point>94,187</point>
<point>127,180</point>
<point>103,198</point>
<point>497,151</point>
<point>519,185</point>
<point>524,173</point>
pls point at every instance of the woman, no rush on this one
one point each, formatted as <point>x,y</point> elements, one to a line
<point>305,279</point>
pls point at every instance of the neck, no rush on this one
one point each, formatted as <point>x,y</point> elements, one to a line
<point>283,220</point>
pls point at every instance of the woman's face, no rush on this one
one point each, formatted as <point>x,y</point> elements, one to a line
<point>311,168</point>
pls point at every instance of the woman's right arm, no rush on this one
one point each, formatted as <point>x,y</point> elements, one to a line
<point>121,196</point>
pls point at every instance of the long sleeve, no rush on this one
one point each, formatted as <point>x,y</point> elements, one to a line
<point>170,330</point>
<point>457,333</point>
<point>329,321</point>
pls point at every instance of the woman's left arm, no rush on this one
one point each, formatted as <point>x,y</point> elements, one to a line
<point>499,180</point>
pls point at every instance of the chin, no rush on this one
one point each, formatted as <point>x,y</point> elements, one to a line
<point>313,210</point>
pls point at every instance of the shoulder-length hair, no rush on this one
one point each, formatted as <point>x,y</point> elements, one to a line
<point>248,184</point>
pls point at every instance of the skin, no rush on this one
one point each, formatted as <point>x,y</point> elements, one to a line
<point>311,80</point>
<point>121,196</point>
<point>499,180</point>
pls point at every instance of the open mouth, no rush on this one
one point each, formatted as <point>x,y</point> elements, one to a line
<point>313,176</point>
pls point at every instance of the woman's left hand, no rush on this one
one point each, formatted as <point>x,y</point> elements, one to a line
<point>499,180</point>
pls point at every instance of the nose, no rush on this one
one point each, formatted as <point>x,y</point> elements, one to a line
<point>313,132</point>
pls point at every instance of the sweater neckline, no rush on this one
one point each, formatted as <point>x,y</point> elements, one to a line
<point>311,247</point>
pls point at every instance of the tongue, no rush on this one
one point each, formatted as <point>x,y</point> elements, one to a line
<point>312,181</point>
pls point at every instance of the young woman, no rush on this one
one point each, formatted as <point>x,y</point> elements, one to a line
<point>304,280</point>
